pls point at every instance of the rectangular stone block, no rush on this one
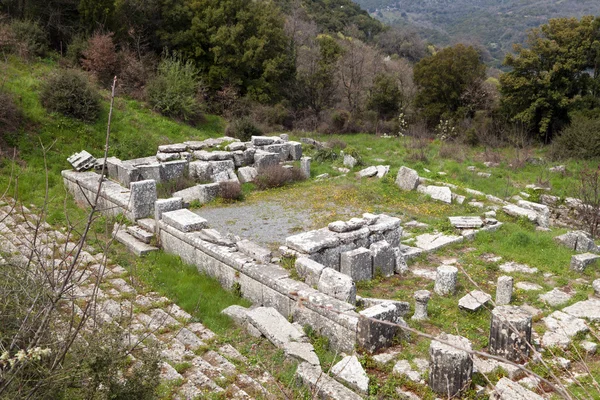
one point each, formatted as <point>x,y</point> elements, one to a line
<point>255,251</point>
<point>127,174</point>
<point>384,258</point>
<point>337,285</point>
<point>357,264</point>
<point>309,270</point>
<point>165,205</point>
<point>295,150</point>
<point>173,170</point>
<point>184,220</point>
<point>263,159</point>
<point>150,171</point>
<point>373,335</point>
<point>580,262</point>
<point>143,197</point>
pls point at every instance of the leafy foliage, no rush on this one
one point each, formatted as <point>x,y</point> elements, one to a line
<point>70,93</point>
<point>384,96</point>
<point>173,91</point>
<point>233,42</point>
<point>243,128</point>
<point>556,74</point>
<point>32,36</point>
<point>100,58</point>
<point>444,78</point>
<point>581,139</point>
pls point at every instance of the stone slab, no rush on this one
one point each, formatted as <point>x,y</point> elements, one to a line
<point>312,241</point>
<point>588,309</point>
<point>322,385</point>
<point>432,242</point>
<point>350,371</point>
<point>466,222</point>
<point>474,300</point>
<point>184,220</point>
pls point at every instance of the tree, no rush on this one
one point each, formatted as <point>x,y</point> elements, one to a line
<point>316,80</point>
<point>384,96</point>
<point>558,73</point>
<point>444,78</point>
<point>233,42</point>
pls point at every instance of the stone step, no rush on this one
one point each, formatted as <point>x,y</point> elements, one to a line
<point>135,246</point>
<point>148,224</point>
<point>140,234</point>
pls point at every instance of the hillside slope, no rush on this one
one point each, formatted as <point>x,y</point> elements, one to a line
<point>495,24</point>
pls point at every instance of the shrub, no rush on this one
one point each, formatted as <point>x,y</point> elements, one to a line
<point>76,48</point>
<point>230,190</point>
<point>323,155</point>
<point>100,58</point>
<point>70,93</point>
<point>581,139</point>
<point>8,41</point>
<point>336,144</point>
<point>10,115</point>
<point>133,73</point>
<point>277,176</point>
<point>31,37</point>
<point>243,128</point>
<point>173,91</point>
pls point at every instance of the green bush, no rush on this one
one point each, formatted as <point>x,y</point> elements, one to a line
<point>173,91</point>
<point>581,139</point>
<point>70,93</point>
<point>10,115</point>
<point>243,128</point>
<point>31,36</point>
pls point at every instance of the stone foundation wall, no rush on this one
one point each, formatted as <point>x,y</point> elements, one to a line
<point>266,285</point>
<point>135,203</point>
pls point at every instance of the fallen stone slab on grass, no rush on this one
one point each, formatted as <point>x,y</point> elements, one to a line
<point>349,371</point>
<point>466,222</point>
<point>301,351</point>
<point>578,241</point>
<point>528,286</point>
<point>322,385</point>
<point>512,266</point>
<point>407,179</point>
<point>588,309</point>
<point>580,262</point>
<point>274,326</point>
<point>474,300</point>
<point>488,365</point>
<point>441,193</point>
<point>555,297</point>
<point>562,327</point>
<point>432,242</point>
<point>508,390</point>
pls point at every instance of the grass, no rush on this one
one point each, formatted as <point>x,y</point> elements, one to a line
<point>136,131</point>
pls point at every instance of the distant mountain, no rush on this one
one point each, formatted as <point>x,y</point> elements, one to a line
<point>495,24</point>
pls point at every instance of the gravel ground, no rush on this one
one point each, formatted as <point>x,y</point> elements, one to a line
<point>267,223</point>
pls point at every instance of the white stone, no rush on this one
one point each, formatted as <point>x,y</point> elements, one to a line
<point>589,309</point>
<point>555,297</point>
<point>407,179</point>
<point>351,372</point>
<point>441,193</point>
<point>368,172</point>
<point>508,390</point>
<point>274,326</point>
<point>349,161</point>
<point>301,351</point>
<point>403,368</point>
<point>474,300</point>
<point>184,220</point>
<point>504,290</point>
<point>322,385</point>
<point>432,242</point>
<point>247,174</point>
<point>520,212</point>
<point>445,281</point>
<point>578,241</point>
<point>511,267</point>
<point>382,170</point>
<point>579,262</point>
<point>466,222</point>
<point>337,285</point>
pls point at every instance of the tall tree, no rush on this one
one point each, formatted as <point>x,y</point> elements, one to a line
<point>233,42</point>
<point>557,73</point>
<point>444,78</point>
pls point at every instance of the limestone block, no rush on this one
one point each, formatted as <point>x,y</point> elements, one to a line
<point>236,146</point>
<point>203,193</point>
<point>384,258</point>
<point>184,220</point>
<point>451,365</point>
<point>407,179</point>
<point>382,170</point>
<point>126,174</point>
<point>510,333</point>
<point>150,171</point>
<point>263,159</point>
<point>357,264</point>
<point>281,148</point>
<point>520,212</point>
<point>508,390</point>
<point>203,155</point>
<point>580,262</point>
<point>445,281</point>
<point>239,159</point>
<point>578,241</point>
<point>247,174</point>
<point>588,309</point>
<point>172,148</point>
<point>322,385</point>
<point>166,205</point>
<point>305,166</point>
<point>309,270</point>
<point>367,172</point>
<point>466,222</point>
<point>349,161</point>
<point>337,285</point>
<point>400,266</point>
<point>165,157</point>
<point>441,193</point>
<point>312,241</point>
<point>433,242</point>
<point>504,290</point>
<point>274,326</point>
<point>255,251</point>
<point>143,196</point>
<point>555,297</point>
<point>201,171</point>
<point>173,170</point>
<point>350,371</point>
<point>474,300</point>
<point>264,140</point>
<point>373,335</point>
<point>82,161</point>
